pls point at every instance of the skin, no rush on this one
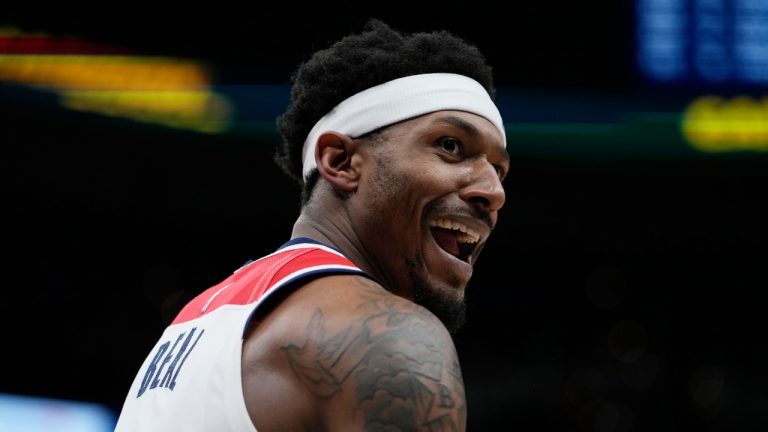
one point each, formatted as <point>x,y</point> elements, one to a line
<point>349,353</point>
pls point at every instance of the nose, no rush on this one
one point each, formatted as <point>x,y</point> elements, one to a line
<point>484,188</point>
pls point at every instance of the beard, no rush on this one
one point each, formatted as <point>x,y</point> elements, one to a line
<point>450,310</point>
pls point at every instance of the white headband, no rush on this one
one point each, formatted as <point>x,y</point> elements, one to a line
<point>401,99</point>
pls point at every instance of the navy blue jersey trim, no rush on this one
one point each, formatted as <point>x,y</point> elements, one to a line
<point>326,272</point>
<point>299,240</point>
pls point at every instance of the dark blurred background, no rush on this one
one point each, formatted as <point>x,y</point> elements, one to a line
<point>623,290</point>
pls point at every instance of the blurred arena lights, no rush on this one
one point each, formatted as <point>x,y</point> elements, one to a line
<point>35,414</point>
<point>106,80</point>
<point>716,49</point>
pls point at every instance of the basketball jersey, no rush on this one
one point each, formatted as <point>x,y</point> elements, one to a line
<point>191,381</point>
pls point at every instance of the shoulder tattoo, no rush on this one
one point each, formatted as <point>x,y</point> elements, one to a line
<point>396,358</point>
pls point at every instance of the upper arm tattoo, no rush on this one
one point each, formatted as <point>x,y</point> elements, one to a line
<point>398,360</point>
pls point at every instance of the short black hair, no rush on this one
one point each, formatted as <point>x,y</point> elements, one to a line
<point>359,61</point>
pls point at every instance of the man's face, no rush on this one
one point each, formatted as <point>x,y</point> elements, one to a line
<point>428,200</point>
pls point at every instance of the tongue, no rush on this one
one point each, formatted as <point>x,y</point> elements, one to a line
<point>446,239</point>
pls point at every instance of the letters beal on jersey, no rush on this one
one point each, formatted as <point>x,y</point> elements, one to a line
<point>166,364</point>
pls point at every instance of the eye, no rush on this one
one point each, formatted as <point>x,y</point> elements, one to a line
<point>451,145</point>
<point>500,171</point>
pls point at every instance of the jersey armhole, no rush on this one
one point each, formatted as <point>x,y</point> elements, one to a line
<point>271,298</point>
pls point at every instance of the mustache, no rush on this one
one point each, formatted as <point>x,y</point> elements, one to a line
<point>462,210</point>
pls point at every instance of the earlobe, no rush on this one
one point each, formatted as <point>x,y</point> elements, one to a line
<point>333,154</point>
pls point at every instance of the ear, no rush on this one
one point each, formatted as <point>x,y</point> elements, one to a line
<point>333,154</point>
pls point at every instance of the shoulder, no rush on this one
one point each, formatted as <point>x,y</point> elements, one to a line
<point>361,357</point>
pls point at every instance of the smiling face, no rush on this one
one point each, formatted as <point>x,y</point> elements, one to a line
<point>427,203</point>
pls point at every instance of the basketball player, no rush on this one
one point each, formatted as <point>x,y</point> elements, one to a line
<point>347,326</point>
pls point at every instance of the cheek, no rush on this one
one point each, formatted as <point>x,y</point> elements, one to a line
<point>391,188</point>
<point>397,191</point>
<point>394,205</point>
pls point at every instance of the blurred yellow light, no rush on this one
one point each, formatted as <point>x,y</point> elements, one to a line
<point>715,124</point>
<point>103,72</point>
<point>200,111</point>
<point>162,90</point>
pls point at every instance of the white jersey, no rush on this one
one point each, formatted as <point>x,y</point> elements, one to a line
<point>191,381</point>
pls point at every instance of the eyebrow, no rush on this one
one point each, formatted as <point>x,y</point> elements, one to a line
<point>468,128</point>
<point>459,123</point>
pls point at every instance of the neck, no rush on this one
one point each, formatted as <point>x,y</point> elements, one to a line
<point>330,223</point>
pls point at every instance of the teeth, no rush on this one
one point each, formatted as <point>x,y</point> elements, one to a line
<point>465,235</point>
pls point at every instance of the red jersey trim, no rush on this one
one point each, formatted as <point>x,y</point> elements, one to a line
<point>256,280</point>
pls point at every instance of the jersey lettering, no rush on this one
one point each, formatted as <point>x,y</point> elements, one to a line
<point>152,375</point>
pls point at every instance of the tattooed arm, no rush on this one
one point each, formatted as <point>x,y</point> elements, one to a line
<point>361,359</point>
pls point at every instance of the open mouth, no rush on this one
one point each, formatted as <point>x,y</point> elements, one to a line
<point>455,238</point>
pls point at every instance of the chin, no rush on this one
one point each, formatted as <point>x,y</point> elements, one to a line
<point>450,310</point>
<point>445,302</point>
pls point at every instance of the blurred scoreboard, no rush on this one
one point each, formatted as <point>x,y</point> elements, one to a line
<point>710,42</point>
